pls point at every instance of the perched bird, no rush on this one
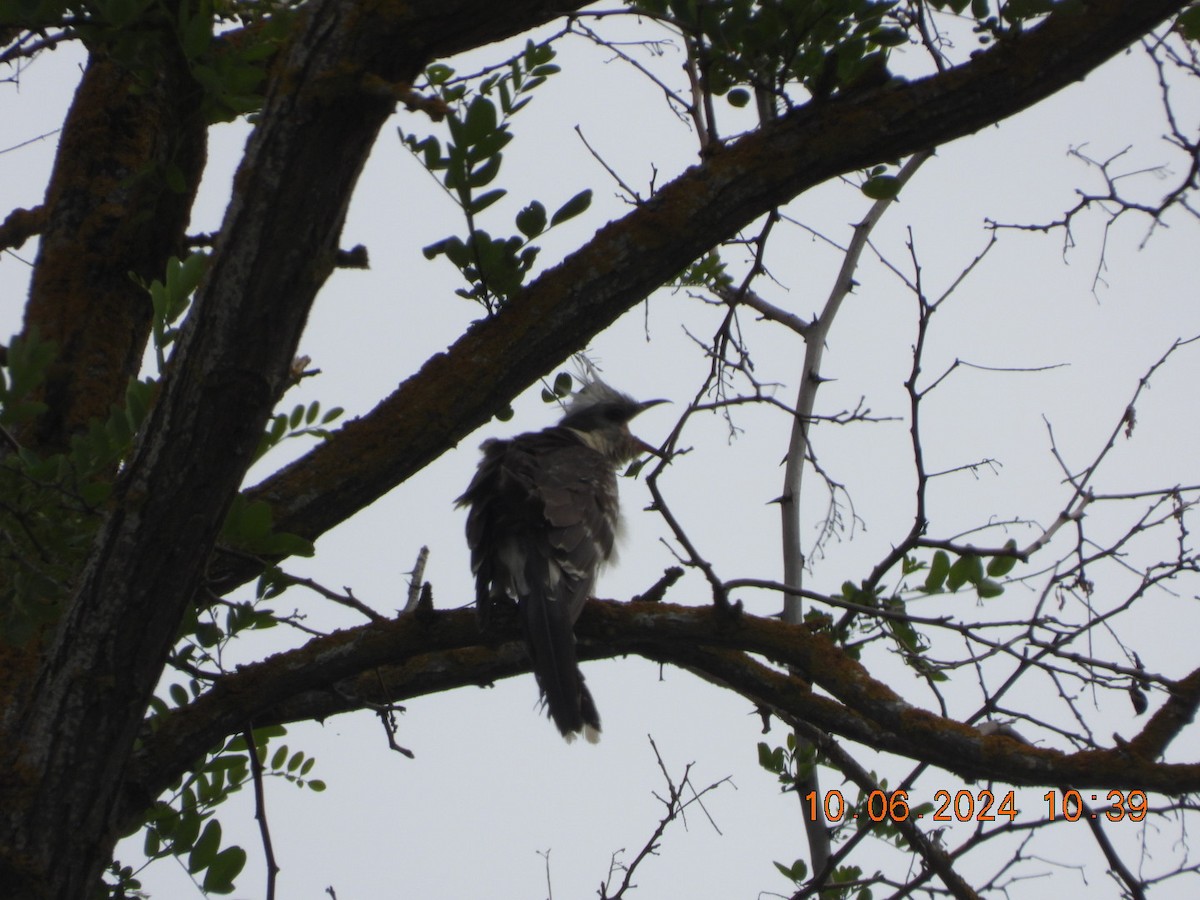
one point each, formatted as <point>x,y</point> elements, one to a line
<point>544,516</point>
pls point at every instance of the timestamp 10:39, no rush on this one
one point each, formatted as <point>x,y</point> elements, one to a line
<point>977,806</point>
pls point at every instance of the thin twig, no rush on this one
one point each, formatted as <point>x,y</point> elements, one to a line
<point>260,811</point>
<point>675,808</point>
<point>347,599</point>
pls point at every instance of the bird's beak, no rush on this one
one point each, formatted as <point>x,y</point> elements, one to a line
<point>641,445</point>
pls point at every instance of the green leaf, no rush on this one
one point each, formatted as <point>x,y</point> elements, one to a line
<point>483,175</point>
<point>279,426</point>
<point>572,207</point>
<point>999,566</point>
<point>480,120</point>
<point>255,521</point>
<point>882,187</point>
<point>438,73</point>
<point>938,570</point>
<point>453,247</point>
<point>283,543</point>
<point>28,359</point>
<point>739,97</point>
<point>165,818</point>
<point>94,493</point>
<point>208,634</point>
<point>889,37</point>
<point>958,575</point>
<point>138,395</point>
<point>968,568</point>
<point>280,757</point>
<point>316,785</point>
<point>205,849</point>
<point>197,35</point>
<point>483,201</point>
<point>1019,10</point>
<point>538,54</point>
<point>178,694</point>
<point>224,868</point>
<point>974,565</point>
<point>796,872</point>
<point>122,13</point>
<point>531,221</point>
<point>152,842</point>
<point>1189,23</point>
<point>506,105</point>
<point>764,756</point>
<point>987,589</point>
<point>905,634</point>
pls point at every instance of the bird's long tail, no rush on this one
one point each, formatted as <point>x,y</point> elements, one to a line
<point>548,624</point>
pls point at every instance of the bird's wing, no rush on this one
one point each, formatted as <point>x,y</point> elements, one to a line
<point>578,494</point>
<point>546,493</point>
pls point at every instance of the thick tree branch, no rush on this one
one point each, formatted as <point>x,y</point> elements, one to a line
<point>110,210</point>
<point>414,655</point>
<point>457,391</point>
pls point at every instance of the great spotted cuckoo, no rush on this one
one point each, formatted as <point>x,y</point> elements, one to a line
<point>543,519</point>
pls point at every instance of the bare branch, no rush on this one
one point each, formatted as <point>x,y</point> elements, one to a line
<point>675,808</point>
<point>260,811</point>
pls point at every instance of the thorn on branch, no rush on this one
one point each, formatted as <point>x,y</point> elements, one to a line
<point>424,611</point>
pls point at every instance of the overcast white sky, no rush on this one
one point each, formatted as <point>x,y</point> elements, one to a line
<point>492,786</point>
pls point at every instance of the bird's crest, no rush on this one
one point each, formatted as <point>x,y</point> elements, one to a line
<point>595,390</point>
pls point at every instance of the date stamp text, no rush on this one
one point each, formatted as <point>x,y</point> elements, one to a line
<point>980,806</point>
